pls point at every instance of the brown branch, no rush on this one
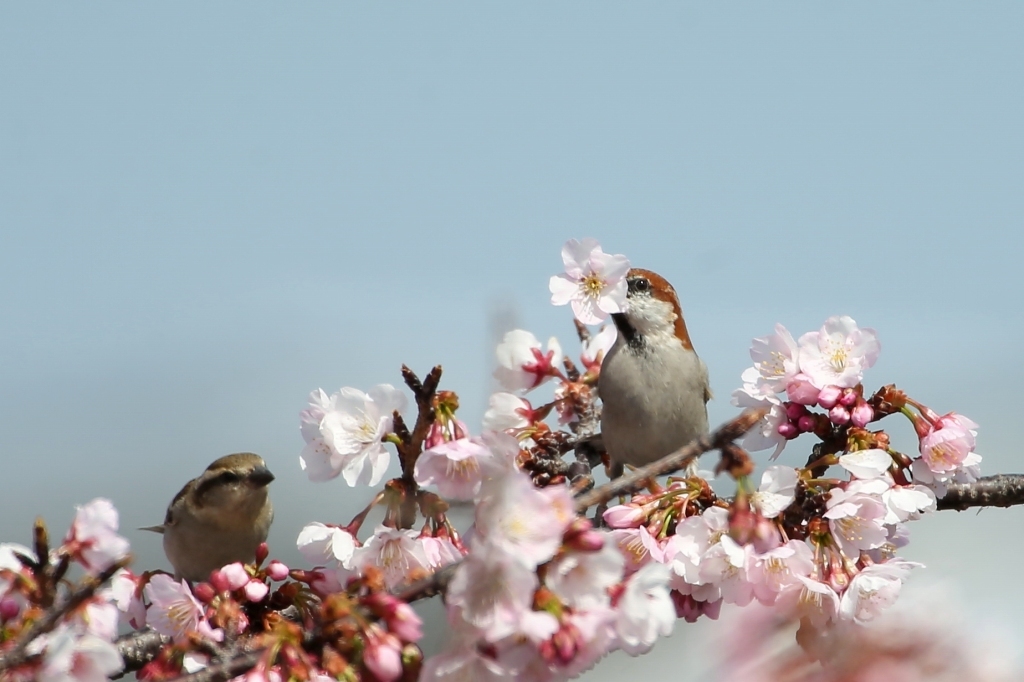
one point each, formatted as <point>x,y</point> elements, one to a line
<point>424,393</point>
<point>237,665</point>
<point>1000,490</point>
<point>725,434</point>
<point>18,654</point>
<point>139,648</point>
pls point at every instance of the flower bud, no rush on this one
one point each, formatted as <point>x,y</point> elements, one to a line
<point>849,397</point>
<point>262,552</point>
<point>277,570</point>
<point>788,430</point>
<point>9,609</point>
<point>807,423</point>
<point>839,415</point>
<point>383,657</point>
<point>862,414</point>
<point>204,592</point>
<point>624,516</point>
<point>256,590</point>
<point>231,577</point>
<point>829,396</point>
<point>801,390</point>
<point>795,410</point>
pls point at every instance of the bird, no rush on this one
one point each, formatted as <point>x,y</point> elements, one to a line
<point>654,388</point>
<point>219,517</point>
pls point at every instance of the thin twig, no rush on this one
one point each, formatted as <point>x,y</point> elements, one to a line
<point>1000,490</point>
<point>87,588</point>
<point>233,667</point>
<point>675,461</point>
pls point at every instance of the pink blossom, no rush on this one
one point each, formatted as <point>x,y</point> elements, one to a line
<point>906,502</point>
<point>93,538</point>
<point>597,347</point>
<point>344,434</point>
<point>725,566</point>
<point>856,520</point>
<point>70,656</point>
<point>812,599</point>
<point>765,434</point>
<point>492,592</point>
<point>866,464</point>
<point>802,391</point>
<point>521,520</point>
<point>454,467</point>
<point>862,414</point>
<point>776,358</point>
<point>522,365</point>
<point>775,570</point>
<point>507,412</point>
<point>440,551</point>
<point>324,545</point>
<point>632,546</point>
<point>645,611</point>
<point>99,616</point>
<point>173,610</point>
<point>125,593</point>
<point>383,655</point>
<point>594,282</point>
<point>946,448</point>
<point>694,537</point>
<point>776,492</point>
<point>838,353</point>
<point>829,396</point>
<point>874,589</point>
<point>463,664</point>
<point>581,579</point>
<point>397,553</point>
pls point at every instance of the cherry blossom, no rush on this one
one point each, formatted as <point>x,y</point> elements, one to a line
<point>463,664</point>
<point>507,412</point>
<point>454,467</point>
<point>397,553</point>
<point>70,656</point>
<point>766,433</point>
<point>874,589</point>
<point>344,434</point>
<point>383,655</point>
<point>856,520</point>
<point>124,590</point>
<point>812,599</point>
<point>645,610</point>
<point>521,520</point>
<point>725,566</point>
<point>838,353</point>
<point>324,545</point>
<point>522,364</point>
<point>773,571</point>
<point>173,610</point>
<point>93,537</point>
<point>594,282</point>
<point>866,463</point>
<point>581,579</point>
<point>946,448</point>
<point>597,347</point>
<point>776,358</point>
<point>776,492</point>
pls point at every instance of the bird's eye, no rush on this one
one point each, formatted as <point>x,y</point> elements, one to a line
<point>641,284</point>
<point>227,476</point>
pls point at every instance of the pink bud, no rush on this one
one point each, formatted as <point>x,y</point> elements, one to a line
<point>219,581</point>
<point>383,658</point>
<point>205,592</point>
<point>806,423</point>
<point>788,430</point>
<point>839,415</point>
<point>801,390</point>
<point>862,415</point>
<point>9,608</point>
<point>256,590</point>
<point>794,411</point>
<point>435,436</point>
<point>262,552</point>
<point>405,624</point>
<point>624,516</point>
<point>829,396</point>
<point>234,576</point>
<point>587,541</point>
<point>277,571</point>
<point>849,397</point>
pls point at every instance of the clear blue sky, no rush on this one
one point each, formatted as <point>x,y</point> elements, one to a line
<point>207,211</point>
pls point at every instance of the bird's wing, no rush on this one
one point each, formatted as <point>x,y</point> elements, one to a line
<point>708,395</point>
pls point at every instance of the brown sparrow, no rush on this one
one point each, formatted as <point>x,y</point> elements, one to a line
<point>218,518</point>
<point>653,386</point>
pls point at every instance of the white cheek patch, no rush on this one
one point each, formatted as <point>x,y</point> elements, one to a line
<point>652,319</point>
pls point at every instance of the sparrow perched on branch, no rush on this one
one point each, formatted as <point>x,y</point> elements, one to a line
<point>218,518</point>
<point>653,387</point>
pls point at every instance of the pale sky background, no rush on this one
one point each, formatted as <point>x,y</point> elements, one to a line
<point>207,211</point>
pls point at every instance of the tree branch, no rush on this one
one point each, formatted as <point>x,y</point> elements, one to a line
<point>233,667</point>
<point>1000,490</point>
<point>725,434</point>
<point>139,648</point>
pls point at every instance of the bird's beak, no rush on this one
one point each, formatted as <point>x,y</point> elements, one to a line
<point>261,476</point>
